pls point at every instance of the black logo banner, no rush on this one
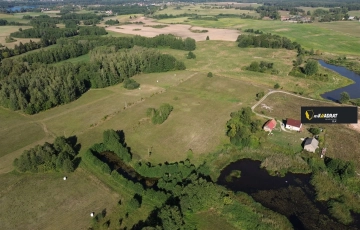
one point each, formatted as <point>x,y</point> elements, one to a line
<point>335,114</point>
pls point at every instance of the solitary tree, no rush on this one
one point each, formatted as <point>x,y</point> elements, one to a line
<point>254,66</point>
<point>344,97</point>
<point>191,55</point>
<point>207,38</point>
<point>314,131</point>
<point>210,74</point>
<point>311,67</point>
<point>276,86</point>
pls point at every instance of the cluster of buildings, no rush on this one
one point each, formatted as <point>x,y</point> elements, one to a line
<point>310,144</point>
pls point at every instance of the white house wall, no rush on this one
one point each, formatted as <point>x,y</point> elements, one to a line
<point>292,128</point>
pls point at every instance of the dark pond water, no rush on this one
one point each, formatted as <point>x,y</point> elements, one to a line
<point>18,8</point>
<point>292,196</point>
<point>115,163</point>
<point>353,90</point>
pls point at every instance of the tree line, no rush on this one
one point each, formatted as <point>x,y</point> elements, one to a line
<point>54,33</point>
<point>37,87</point>
<point>58,156</point>
<point>267,41</point>
<point>4,22</point>
<point>88,42</point>
<point>124,9</point>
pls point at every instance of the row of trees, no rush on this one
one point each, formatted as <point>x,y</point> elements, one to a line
<point>55,33</point>
<point>4,22</point>
<point>158,116</point>
<point>262,67</point>
<point>112,22</point>
<point>58,156</point>
<point>57,54</point>
<point>22,48</point>
<point>266,41</point>
<point>88,42</point>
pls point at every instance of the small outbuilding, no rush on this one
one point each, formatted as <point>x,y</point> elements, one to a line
<point>270,125</point>
<point>311,144</point>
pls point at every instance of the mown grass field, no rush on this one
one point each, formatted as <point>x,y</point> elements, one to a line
<point>205,100</point>
<point>7,30</point>
<point>17,131</point>
<point>234,59</point>
<point>198,102</point>
<point>319,36</point>
<point>354,13</point>
<point>45,201</point>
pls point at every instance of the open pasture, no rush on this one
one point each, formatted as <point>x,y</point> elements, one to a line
<point>228,60</point>
<point>177,29</point>
<point>98,109</point>
<point>340,140</point>
<point>5,31</point>
<point>330,38</point>
<point>46,201</point>
<point>206,9</point>
<point>354,13</point>
<point>201,108</point>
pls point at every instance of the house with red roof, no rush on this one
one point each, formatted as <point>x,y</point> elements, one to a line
<point>293,124</point>
<point>270,125</point>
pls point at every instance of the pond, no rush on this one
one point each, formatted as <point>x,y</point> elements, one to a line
<point>353,90</point>
<point>19,8</point>
<point>115,163</point>
<point>292,196</point>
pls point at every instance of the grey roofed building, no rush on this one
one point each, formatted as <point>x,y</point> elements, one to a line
<point>311,144</point>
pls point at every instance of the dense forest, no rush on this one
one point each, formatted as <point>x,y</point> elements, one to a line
<point>85,43</point>
<point>37,87</point>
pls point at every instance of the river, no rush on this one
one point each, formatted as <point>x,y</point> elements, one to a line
<point>353,90</point>
<point>292,196</point>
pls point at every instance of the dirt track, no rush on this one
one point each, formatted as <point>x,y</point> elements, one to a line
<point>175,29</point>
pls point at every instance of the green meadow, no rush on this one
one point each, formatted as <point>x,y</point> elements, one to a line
<point>335,37</point>
<point>195,129</point>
